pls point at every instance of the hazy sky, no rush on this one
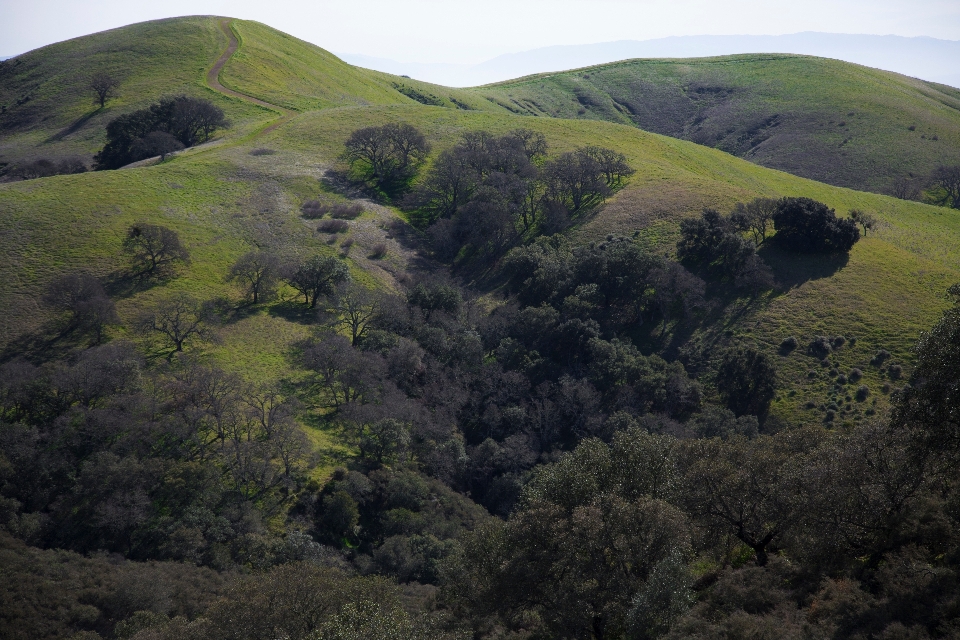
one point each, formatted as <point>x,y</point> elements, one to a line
<point>472,31</point>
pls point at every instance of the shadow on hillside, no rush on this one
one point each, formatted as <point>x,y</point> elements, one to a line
<point>53,341</point>
<point>123,284</point>
<point>293,311</point>
<point>793,269</point>
<point>73,128</point>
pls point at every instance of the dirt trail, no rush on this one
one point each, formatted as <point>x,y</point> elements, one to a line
<point>213,79</point>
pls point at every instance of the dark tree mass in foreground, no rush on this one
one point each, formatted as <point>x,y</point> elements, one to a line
<point>554,459</point>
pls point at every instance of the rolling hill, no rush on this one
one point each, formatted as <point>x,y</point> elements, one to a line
<point>223,200</point>
<point>822,119</point>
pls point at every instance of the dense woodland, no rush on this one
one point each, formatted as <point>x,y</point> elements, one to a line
<point>532,463</point>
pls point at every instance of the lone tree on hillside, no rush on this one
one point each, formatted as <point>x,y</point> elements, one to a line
<point>153,249</point>
<point>257,272</point>
<point>947,180</point>
<point>103,85</point>
<point>317,276</point>
<point>178,318</point>
<point>864,219</point>
<point>809,226</point>
<point>386,156</point>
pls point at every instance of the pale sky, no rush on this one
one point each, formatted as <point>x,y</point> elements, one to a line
<point>464,31</point>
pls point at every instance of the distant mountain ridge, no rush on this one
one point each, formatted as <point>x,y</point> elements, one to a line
<point>922,57</point>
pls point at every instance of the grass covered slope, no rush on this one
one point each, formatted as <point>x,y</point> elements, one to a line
<point>280,69</point>
<point>823,119</point>
<point>50,109</point>
<point>225,201</point>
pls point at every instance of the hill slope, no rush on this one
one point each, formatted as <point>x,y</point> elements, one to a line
<point>823,119</point>
<point>223,201</point>
<point>50,111</point>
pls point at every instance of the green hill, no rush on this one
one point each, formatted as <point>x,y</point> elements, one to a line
<point>822,119</point>
<point>48,109</point>
<point>223,200</point>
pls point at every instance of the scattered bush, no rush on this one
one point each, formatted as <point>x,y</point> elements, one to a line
<point>895,371</point>
<point>820,347</point>
<point>313,209</point>
<point>788,345</point>
<point>855,375</point>
<point>333,226</point>
<point>841,379</point>
<point>862,392</point>
<point>838,341</point>
<point>880,357</point>
<point>378,251</point>
<point>262,151</point>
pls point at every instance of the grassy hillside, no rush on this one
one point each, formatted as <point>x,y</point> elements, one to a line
<point>827,120</point>
<point>223,201</point>
<point>50,110</point>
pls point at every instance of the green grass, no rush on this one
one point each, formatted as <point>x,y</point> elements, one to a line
<point>151,59</point>
<point>224,201</point>
<point>828,120</point>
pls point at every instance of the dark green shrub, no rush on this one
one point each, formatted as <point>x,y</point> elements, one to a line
<point>808,226</point>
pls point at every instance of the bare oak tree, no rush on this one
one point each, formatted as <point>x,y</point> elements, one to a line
<point>103,85</point>
<point>864,219</point>
<point>178,318</point>
<point>317,276</point>
<point>82,295</point>
<point>355,308</point>
<point>947,181</point>
<point>257,272</point>
<point>153,248</point>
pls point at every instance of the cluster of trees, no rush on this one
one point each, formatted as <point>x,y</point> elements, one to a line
<point>100,452</point>
<point>717,247</point>
<point>166,126</point>
<point>486,191</point>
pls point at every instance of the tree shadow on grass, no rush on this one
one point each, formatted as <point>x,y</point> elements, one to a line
<point>123,284</point>
<point>293,311</point>
<point>73,128</point>
<point>54,340</point>
<point>791,269</point>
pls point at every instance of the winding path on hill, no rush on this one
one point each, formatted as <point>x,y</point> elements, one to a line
<point>213,79</point>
